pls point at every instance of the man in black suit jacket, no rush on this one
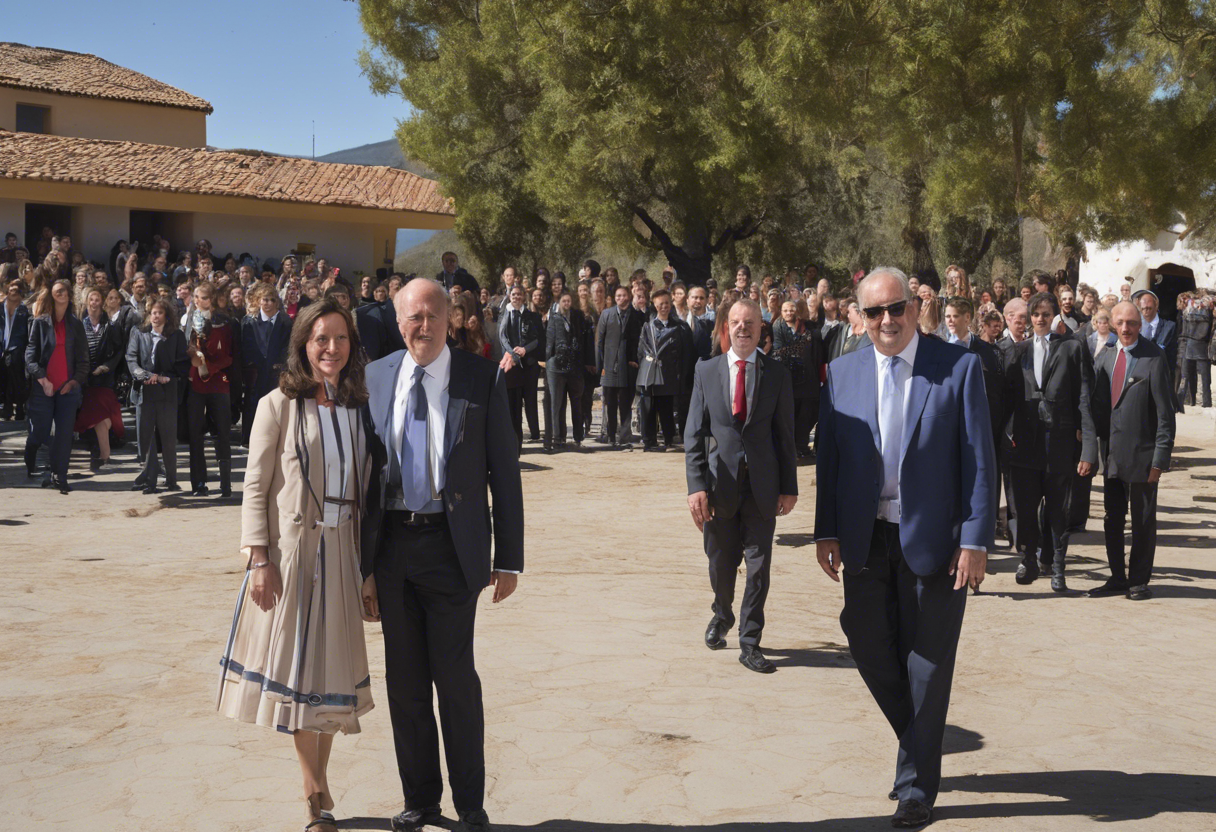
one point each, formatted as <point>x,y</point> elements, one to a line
<point>616,360</point>
<point>1161,331</point>
<point>378,332</point>
<point>265,335</point>
<point>521,333</point>
<point>454,275</point>
<point>14,331</point>
<point>1048,379</point>
<point>425,546</point>
<point>1133,413</point>
<point>742,471</point>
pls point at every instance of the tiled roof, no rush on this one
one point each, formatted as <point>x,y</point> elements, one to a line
<point>75,73</point>
<point>155,167</point>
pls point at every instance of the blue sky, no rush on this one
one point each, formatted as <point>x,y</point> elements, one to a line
<point>268,68</point>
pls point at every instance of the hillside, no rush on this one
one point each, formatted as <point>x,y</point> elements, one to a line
<point>387,153</point>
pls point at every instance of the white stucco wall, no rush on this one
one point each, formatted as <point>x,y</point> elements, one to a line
<point>98,118</point>
<point>345,245</point>
<point>12,218</point>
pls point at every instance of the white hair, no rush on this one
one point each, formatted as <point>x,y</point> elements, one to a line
<point>421,284</point>
<point>884,270</point>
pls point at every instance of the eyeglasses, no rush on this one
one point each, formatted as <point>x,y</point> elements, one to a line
<point>896,309</point>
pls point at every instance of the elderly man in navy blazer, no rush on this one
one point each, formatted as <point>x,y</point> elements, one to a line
<point>906,475</point>
<point>442,443</point>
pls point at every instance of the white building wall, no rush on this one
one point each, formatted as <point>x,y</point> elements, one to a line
<point>96,228</point>
<point>345,245</point>
<point>12,218</point>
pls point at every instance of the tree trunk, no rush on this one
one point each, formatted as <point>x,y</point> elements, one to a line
<point>914,234</point>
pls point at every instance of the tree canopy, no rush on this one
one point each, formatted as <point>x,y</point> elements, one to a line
<point>841,132</point>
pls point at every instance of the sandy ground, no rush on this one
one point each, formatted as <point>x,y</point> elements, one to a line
<point>605,713</point>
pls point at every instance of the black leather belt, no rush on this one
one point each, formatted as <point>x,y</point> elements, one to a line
<point>416,518</point>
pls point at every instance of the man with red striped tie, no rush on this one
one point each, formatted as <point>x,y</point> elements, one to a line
<point>742,481</point>
<point>1133,412</point>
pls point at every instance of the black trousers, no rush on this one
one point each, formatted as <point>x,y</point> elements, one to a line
<point>652,410</point>
<point>1079,498</point>
<point>427,614</point>
<point>683,403</point>
<point>1031,488</point>
<point>219,407</point>
<point>14,386</point>
<point>806,415</point>
<point>515,404</point>
<point>903,633</point>
<point>745,537</point>
<point>1198,381</point>
<point>618,410</point>
<point>590,380</point>
<point>564,386</point>
<point>57,411</point>
<point>1143,499</point>
<point>532,401</point>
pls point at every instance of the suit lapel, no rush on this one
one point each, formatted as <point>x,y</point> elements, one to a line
<point>724,377</point>
<point>919,394</point>
<point>458,402</point>
<point>756,388</point>
<point>384,419</point>
<point>1053,347</point>
<point>867,388</point>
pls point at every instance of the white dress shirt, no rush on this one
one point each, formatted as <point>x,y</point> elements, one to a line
<point>1040,357</point>
<point>339,460</point>
<point>732,372</point>
<point>888,505</point>
<point>435,379</point>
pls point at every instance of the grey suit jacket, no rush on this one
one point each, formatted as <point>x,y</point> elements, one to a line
<point>716,446</point>
<point>1136,433</point>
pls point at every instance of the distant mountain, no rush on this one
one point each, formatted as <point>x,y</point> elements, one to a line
<point>386,153</point>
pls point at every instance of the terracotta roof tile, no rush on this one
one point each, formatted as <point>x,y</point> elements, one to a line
<point>155,167</point>
<point>76,73</point>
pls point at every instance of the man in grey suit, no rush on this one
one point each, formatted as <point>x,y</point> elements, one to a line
<point>741,466</point>
<point>616,359</point>
<point>440,438</point>
<point>1133,413</point>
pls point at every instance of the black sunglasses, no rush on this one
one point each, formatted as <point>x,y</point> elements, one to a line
<point>896,309</point>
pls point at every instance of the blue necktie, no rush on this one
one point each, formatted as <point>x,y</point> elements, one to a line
<point>891,427</point>
<point>415,461</point>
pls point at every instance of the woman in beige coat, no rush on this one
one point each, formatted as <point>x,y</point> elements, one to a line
<point>296,660</point>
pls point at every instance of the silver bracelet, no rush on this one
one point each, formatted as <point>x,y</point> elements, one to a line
<point>258,565</point>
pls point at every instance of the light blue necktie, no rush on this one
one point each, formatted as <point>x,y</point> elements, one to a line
<point>891,427</point>
<point>415,460</point>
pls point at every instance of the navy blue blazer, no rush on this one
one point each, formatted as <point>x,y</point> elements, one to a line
<point>947,472</point>
<point>20,336</point>
<point>482,453</point>
<point>262,368</point>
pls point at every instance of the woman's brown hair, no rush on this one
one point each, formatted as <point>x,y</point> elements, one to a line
<point>45,304</point>
<point>297,380</point>
<point>170,310</point>
<point>470,340</point>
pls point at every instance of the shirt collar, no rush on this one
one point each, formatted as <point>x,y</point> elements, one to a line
<point>262,316</point>
<point>908,353</point>
<point>733,357</point>
<point>438,369</point>
<point>954,339</point>
<point>1128,349</point>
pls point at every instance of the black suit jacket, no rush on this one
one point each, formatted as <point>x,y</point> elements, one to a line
<point>616,346</point>
<point>566,348</point>
<point>378,331</point>
<point>530,335</point>
<point>716,446</point>
<point>15,353</point>
<point>263,366</point>
<point>170,361</point>
<point>42,343</point>
<point>462,279</point>
<point>672,357</point>
<point>994,382</point>
<point>481,457</point>
<point>1136,434</point>
<point>1041,426</point>
<point>1166,337</point>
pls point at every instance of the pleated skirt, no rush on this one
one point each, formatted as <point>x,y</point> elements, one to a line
<point>302,665</point>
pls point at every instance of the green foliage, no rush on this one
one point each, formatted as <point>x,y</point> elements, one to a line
<point>842,132</point>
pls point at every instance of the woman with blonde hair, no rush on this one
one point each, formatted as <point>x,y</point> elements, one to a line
<point>930,321</point>
<point>296,659</point>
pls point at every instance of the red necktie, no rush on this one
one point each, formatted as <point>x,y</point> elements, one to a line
<point>740,408</point>
<point>1117,377</point>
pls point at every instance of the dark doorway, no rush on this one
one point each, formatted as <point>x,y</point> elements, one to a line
<point>1169,281</point>
<point>58,218</point>
<point>147,224</point>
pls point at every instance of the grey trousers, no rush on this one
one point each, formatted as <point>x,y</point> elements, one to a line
<point>156,426</point>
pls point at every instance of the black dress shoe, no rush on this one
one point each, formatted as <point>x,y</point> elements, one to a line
<point>200,491</point>
<point>475,821</point>
<point>1111,587</point>
<point>652,449</point>
<point>715,634</point>
<point>150,489</point>
<point>1136,593</point>
<point>893,795</point>
<point>1057,581</point>
<point>225,491</point>
<point>63,486</point>
<point>139,485</point>
<point>1028,570</point>
<point>751,658</point>
<point>911,814</point>
<point>412,820</point>
<point>172,486</point>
